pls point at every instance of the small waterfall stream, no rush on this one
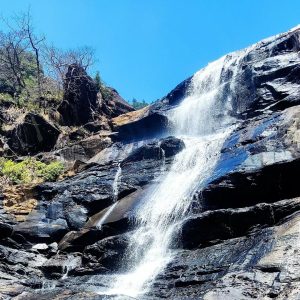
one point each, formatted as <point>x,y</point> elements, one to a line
<point>115,188</point>
<point>203,122</point>
<point>116,182</point>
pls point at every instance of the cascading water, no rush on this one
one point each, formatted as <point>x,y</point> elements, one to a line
<point>202,121</point>
<point>116,182</point>
<point>115,188</point>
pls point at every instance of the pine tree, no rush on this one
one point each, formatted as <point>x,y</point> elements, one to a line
<point>98,81</point>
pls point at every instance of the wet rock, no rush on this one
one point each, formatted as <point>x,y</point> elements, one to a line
<point>107,253</point>
<point>37,229</point>
<point>230,223</point>
<point>150,126</point>
<point>179,92</point>
<point>60,265</point>
<point>171,146</point>
<point>247,267</point>
<point>157,150</point>
<point>89,192</point>
<point>33,135</point>
<point>6,230</point>
<point>40,247</point>
<point>111,221</point>
<point>271,183</point>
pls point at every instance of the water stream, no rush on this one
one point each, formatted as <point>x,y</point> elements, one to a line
<point>116,182</point>
<point>203,122</point>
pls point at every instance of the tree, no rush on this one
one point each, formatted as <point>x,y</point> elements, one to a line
<point>138,104</point>
<point>13,46</point>
<point>28,64</point>
<point>98,81</point>
<point>36,45</point>
<point>57,61</point>
<point>20,55</point>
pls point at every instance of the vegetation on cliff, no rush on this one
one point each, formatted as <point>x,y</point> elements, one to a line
<point>29,170</point>
<point>32,71</point>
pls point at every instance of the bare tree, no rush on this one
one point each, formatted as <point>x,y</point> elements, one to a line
<point>57,61</point>
<point>35,41</point>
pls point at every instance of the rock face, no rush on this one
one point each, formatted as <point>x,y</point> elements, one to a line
<point>80,97</point>
<point>241,239</point>
<point>83,103</point>
<point>33,135</point>
<point>112,104</point>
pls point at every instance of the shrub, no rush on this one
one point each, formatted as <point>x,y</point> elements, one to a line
<point>51,171</point>
<point>16,172</point>
<point>30,170</point>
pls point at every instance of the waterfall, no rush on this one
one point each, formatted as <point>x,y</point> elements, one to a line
<point>163,158</point>
<point>203,122</point>
<point>116,182</point>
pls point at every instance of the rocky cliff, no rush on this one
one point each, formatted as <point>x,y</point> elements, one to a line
<point>241,239</point>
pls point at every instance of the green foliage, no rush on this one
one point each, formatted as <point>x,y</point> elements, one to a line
<point>27,71</point>
<point>138,104</point>
<point>4,97</point>
<point>98,81</point>
<point>16,172</point>
<point>30,170</point>
<point>106,93</point>
<point>51,171</point>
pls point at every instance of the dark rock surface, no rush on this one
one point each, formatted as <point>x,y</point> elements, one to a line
<point>259,265</point>
<point>106,254</point>
<point>153,125</point>
<point>33,135</point>
<point>83,103</point>
<point>232,223</point>
<point>112,104</point>
<point>80,97</point>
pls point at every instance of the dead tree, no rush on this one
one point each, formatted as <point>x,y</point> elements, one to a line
<point>57,61</point>
<point>35,41</point>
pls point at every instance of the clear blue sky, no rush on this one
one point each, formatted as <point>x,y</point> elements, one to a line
<point>145,48</point>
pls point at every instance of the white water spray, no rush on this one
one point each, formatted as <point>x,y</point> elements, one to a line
<point>202,121</point>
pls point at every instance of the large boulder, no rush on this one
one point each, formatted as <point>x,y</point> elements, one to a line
<point>32,136</point>
<point>83,101</point>
<point>80,97</point>
<point>165,148</point>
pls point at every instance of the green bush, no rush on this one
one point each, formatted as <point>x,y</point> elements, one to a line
<point>30,170</point>
<point>51,171</point>
<point>16,172</point>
